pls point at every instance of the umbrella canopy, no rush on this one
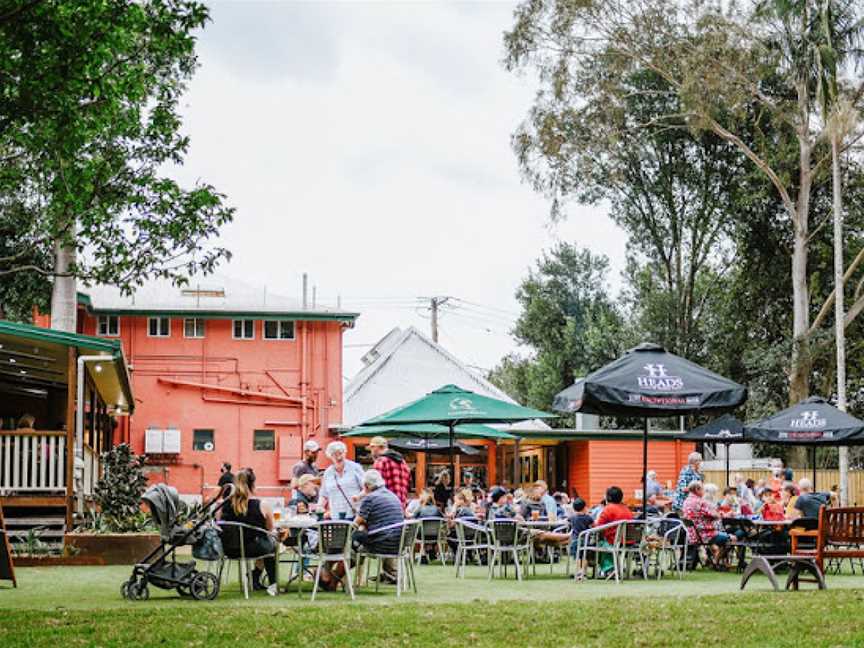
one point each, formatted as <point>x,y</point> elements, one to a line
<point>452,405</point>
<point>429,431</point>
<point>812,422</point>
<point>431,445</point>
<point>648,381</point>
<point>726,429</point>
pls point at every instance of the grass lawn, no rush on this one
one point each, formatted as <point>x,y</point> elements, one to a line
<point>74,606</point>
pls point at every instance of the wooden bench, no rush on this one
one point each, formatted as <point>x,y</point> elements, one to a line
<point>840,535</point>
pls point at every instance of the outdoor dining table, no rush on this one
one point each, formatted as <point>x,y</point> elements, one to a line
<point>295,525</point>
<point>544,524</point>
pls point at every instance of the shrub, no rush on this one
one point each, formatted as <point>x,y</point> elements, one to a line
<point>118,492</point>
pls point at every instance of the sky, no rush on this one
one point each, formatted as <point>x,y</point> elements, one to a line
<point>368,145</point>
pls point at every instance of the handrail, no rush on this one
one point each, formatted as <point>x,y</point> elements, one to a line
<point>25,432</point>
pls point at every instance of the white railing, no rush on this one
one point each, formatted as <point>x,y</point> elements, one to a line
<point>32,462</point>
<point>92,471</point>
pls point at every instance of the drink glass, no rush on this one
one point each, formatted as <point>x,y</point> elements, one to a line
<point>277,514</point>
<point>535,514</point>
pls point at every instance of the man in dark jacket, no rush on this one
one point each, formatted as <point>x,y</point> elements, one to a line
<point>392,467</point>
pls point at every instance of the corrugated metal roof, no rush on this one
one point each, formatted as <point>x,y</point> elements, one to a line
<point>406,365</point>
<point>212,296</point>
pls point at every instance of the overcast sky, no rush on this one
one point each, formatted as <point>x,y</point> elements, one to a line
<point>368,144</point>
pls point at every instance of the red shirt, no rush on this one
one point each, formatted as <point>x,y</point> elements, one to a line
<point>773,511</point>
<point>612,513</point>
<point>396,476</point>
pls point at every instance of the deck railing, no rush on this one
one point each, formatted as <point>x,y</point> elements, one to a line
<point>32,461</point>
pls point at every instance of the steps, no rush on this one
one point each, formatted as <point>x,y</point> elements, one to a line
<point>37,530</point>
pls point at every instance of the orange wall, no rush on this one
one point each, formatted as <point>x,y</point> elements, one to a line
<point>259,365</point>
<point>595,465</point>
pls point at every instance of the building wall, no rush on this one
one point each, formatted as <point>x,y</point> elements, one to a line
<point>597,464</point>
<point>267,367</point>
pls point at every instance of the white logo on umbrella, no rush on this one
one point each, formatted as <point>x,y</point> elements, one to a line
<point>809,419</point>
<point>462,404</point>
<point>658,379</point>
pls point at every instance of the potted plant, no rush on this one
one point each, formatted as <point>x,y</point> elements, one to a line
<point>117,531</point>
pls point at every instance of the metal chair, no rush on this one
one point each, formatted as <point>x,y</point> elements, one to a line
<point>234,548</point>
<point>404,556</point>
<point>470,536</point>
<point>432,533</point>
<point>673,545</point>
<point>508,539</point>
<point>334,545</point>
<point>628,545</point>
<point>589,541</point>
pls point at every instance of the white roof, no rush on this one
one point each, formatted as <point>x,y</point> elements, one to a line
<point>213,294</point>
<point>404,366</point>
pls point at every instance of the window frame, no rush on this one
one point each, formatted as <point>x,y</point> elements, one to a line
<point>234,329</point>
<point>272,434</point>
<point>158,319</point>
<point>195,321</point>
<point>107,319</point>
<point>278,337</point>
<point>212,440</point>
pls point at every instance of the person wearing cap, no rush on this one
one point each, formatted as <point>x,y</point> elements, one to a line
<point>306,466</point>
<point>392,467</point>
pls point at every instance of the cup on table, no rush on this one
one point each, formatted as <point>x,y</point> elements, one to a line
<point>277,513</point>
<point>535,514</point>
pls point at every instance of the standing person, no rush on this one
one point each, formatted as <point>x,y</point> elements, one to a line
<point>341,484</point>
<point>690,473</point>
<point>442,490</point>
<point>393,468</point>
<point>306,466</point>
<point>226,476</point>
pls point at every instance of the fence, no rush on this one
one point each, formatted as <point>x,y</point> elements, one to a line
<point>32,462</point>
<point>825,480</point>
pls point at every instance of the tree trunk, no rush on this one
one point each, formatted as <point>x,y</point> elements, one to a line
<point>839,316</point>
<point>64,300</point>
<point>799,375</point>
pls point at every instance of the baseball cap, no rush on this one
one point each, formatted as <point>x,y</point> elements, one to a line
<point>378,441</point>
<point>311,446</point>
<point>305,479</point>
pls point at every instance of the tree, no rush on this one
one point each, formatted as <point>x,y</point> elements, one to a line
<point>118,492</point>
<point>568,321</point>
<point>89,126</point>
<point>722,68</point>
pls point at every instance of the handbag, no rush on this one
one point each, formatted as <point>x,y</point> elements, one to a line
<point>208,546</point>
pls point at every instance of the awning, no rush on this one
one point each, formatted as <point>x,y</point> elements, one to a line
<point>34,359</point>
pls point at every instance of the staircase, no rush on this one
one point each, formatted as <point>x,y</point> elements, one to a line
<point>36,529</point>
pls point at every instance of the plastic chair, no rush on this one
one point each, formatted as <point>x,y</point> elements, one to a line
<point>507,539</point>
<point>334,545</point>
<point>432,533</point>
<point>234,548</point>
<point>404,556</point>
<point>470,536</point>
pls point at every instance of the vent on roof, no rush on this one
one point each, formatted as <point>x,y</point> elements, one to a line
<point>203,292</point>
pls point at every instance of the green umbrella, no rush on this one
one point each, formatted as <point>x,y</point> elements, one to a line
<point>429,431</point>
<point>451,406</point>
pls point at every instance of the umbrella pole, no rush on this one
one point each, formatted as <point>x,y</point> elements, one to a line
<point>727,465</point>
<point>814,468</point>
<point>645,470</point>
<point>452,470</point>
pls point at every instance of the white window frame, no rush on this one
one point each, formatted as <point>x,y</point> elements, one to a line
<point>158,322</point>
<point>195,321</point>
<point>279,324</point>
<point>234,329</point>
<point>107,319</point>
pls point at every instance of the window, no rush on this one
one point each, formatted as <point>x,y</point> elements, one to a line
<point>193,327</point>
<point>158,327</point>
<point>244,329</point>
<point>203,440</point>
<point>264,440</point>
<point>274,330</point>
<point>108,325</point>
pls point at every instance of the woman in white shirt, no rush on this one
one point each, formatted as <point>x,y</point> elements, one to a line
<point>341,484</point>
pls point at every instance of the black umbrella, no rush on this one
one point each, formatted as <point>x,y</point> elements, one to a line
<point>812,422</point>
<point>726,430</point>
<point>649,382</point>
<point>431,445</point>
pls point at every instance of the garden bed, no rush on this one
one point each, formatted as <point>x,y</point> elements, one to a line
<point>112,548</point>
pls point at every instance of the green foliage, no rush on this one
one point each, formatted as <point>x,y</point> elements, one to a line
<point>89,130</point>
<point>32,545</point>
<point>118,492</point>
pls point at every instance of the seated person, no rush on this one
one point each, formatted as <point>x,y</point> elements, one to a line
<point>462,502</point>
<point>499,508</point>
<point>772,509</point>
<point>730,505</point>
<point>614,511</point>
<point>705,518</point>
<point>379,509</point>
<point>532,505</point>
<point>427,508</point>
<point>808,503</point>
<point>243,507</point>
<point>305,495</point>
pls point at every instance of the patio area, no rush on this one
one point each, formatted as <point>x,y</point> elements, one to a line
<point>83,606</point>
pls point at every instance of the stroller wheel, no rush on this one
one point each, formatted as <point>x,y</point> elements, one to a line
<point>204,586</point>
<point>124,589</point>
<point>138,590</point>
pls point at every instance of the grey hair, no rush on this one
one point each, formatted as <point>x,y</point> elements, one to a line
<point>335,446</point>
<point>694,486</point>
<point>693,458</point>
<point>372,479</point>
<point>652,474</point>
<point>805,484</point>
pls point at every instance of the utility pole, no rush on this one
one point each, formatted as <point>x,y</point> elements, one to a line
<point>434,304</point>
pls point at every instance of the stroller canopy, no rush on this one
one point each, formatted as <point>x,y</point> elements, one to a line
<point>164,505</point>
